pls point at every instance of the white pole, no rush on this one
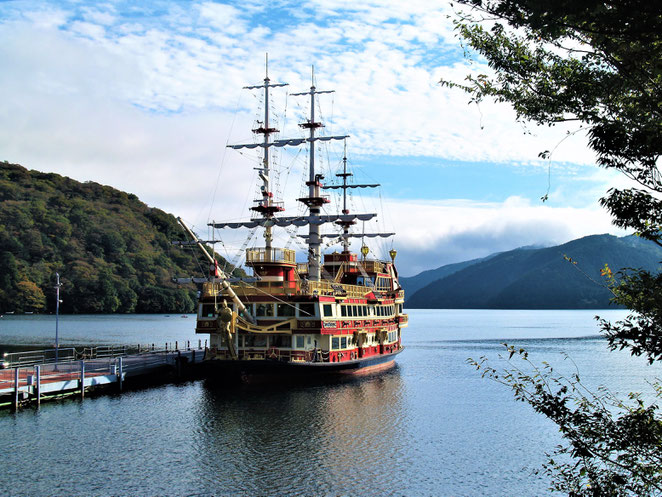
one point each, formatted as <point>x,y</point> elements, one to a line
<point>57,316</point>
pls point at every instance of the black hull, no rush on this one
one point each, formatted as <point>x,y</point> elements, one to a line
<point>274,370</point>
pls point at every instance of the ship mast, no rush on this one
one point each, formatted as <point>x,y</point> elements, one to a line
<point>345,225</point>
<point>347,221</point>
<point>266,206</point>
<point>314,200</point>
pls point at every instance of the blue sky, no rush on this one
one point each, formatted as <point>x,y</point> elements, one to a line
<point>144,96</point>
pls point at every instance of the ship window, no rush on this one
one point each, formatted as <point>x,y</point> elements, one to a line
<point>343,309</point>
<point>264,310</point>
<point>307,310</point>
<point>207,311</point>
<point>335,343</point>
<point>364,310</point>
<point>328,310</point>
<point>281,341</point>
<point>255,341</point>
<point>285,310</point>
<point>399,308</point>
<point>343,343</point>
<point>299,341</point>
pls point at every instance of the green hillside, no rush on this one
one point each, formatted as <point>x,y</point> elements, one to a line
<point>113,252</point>
<point>540,278</point>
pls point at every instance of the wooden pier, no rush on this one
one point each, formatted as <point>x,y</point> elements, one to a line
<point>33,383</point>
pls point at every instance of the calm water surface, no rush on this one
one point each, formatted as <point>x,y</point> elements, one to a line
<point>431,426</point>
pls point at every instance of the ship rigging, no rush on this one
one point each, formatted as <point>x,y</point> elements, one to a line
<point>333,313</point>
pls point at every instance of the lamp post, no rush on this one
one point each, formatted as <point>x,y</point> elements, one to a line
<point>57,313</point>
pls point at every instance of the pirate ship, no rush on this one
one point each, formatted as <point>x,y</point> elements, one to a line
<point>338,312</point>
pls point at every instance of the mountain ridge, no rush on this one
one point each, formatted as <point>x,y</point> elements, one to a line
<point>113,252</point>
<point>540,278</point>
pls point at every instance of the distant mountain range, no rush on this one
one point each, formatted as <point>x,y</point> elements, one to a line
<point>533,278</point>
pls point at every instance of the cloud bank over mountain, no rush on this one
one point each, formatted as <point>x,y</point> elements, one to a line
<point>145,97</point>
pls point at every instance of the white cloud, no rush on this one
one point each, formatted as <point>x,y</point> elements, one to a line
<point>431,234</point>
<point>147,104</point>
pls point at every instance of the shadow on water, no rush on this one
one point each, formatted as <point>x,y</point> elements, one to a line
<point>314,438</point>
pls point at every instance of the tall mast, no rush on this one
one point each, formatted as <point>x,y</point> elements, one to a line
<point>347,221</point>
<point>345,226</point>
<point>315,200</point>
<point>266,193</point>
<point>266,206</point>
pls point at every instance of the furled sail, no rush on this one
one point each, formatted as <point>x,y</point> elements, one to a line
<point>295,221</point>
<point>352,235</point>
<point>337,187</point>
<point>294,142</point>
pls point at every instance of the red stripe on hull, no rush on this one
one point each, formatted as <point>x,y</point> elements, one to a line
<point>370,369</point>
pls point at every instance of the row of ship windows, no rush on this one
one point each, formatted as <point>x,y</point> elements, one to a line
<point>278,341</point>
<point>305,310</point>
<point>383,284</point>
<point>344,342</point>
<point>304,342</point>
<point>367,310</point>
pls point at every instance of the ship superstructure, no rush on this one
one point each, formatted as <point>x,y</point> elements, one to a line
<point>337,312</point>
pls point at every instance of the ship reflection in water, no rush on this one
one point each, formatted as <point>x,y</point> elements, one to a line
<point>308,440</point>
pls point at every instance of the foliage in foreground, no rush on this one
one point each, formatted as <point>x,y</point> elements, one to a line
<point>613,446</point>
<point>598,64</point>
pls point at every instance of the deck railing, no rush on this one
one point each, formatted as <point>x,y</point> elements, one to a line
<point>273,255</point>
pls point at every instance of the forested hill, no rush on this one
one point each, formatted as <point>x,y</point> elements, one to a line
<point>113,252</point>
<point>541,278</point>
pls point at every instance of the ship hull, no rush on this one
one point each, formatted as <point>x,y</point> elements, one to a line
<point>249,371</point>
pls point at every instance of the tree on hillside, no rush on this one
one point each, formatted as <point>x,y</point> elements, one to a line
<point>599,64</point>
<point>30,297</point>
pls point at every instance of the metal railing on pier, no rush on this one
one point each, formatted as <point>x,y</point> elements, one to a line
<point>21,384</point>
<point>47,356</point>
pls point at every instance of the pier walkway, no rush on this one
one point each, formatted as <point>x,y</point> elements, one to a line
<point>32,383</point>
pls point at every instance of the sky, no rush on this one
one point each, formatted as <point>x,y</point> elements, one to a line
<point>146,96</point>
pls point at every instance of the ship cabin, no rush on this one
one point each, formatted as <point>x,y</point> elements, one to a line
<point>356,311</point>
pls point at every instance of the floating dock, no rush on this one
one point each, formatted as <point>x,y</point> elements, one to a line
<point>22,383</point>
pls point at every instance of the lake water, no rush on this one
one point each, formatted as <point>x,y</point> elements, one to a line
<point>430,426</point>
